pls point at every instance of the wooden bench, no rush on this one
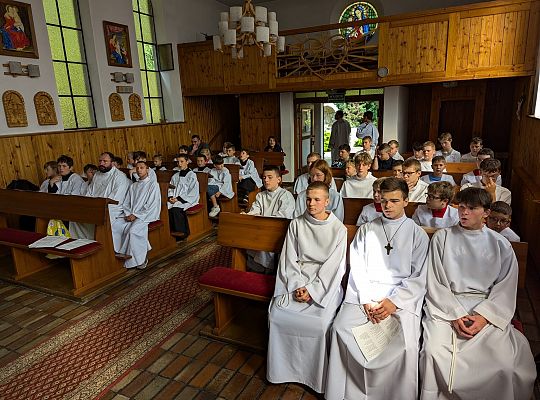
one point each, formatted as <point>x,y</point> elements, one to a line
<point>271,158</point>
<point>233,286</point>
<point>231,205</point>
<point>353,208</point>
<point>83,270</point>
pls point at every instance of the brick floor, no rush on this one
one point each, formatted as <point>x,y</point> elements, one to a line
<point>185,366</point>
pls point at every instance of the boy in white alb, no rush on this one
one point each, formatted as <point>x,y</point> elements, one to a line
<point>387,280</point>
<point>249,177</point>
<point>499,220</point>
<point>476,175</point>
<point>158,161</point>
<point>302,181</point>
<point>201,165</point>
<point>475,146</point>
<point>491,170</point>
<point>394,150</point>
<point>367,148</point>
<point>350,170</point>
<point>397,169</point>
<point>451,155</point>
<point>219,184</point>
<point>183,194</point>
<point>230,158</point>
<point>437,212</point>
<point>470,348</point>
<point>438,164</point>
<point>429,152</point>
<point>374,210</point>
<point>307,294</point>
<point>67,182</point>
<point>417,187</point>
<point>51,170</point>
<point>360,186</point>
<point>141,206</point>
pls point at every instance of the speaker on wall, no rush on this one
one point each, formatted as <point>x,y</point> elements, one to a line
<point>165,57</point>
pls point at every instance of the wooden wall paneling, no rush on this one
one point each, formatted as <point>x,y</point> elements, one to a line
<point>201,68</point>
<point>419,113</point>
<point>259,118</point>
<point>533,36</point>
<point>453,43</point>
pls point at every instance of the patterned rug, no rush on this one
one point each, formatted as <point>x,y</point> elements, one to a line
<point>81,361</point>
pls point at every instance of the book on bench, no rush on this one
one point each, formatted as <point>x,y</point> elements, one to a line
<point>48,241</point>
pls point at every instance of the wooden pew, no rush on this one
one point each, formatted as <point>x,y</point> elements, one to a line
<point>382,173</point>
<point>353,208</point>
<point>231,205</point>
<point>338,172</point>
<point>271,158</point>
<point>83,270</point>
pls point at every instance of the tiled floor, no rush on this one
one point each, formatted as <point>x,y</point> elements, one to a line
<point>186,366</point>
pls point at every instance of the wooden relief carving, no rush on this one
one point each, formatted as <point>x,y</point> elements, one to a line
<point>45,111</point>
<point>14,109</point>
<point>116,106</point>
<point>135,107</point>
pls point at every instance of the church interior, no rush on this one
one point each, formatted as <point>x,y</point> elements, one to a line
<point>84,77</point>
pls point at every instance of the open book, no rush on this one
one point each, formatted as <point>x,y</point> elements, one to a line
<point>374,338</point>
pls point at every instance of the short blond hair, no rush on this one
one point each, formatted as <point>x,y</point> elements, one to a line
<point>363,158</point>
<point>429,143</point>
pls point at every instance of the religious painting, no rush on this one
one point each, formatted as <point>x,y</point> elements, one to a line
<point>18,38</point>
<point>117,44</point>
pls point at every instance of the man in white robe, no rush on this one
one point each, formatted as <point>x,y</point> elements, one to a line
<point>274,201</point>
<point>417,187</point>
<point>108,182</point>
<point>307,295</point>
<point>384,282</point>
<point>141,206</point>
<point>471,350</point>
<point>361,185</point>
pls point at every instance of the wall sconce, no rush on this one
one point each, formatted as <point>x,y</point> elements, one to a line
<point>15,68</point>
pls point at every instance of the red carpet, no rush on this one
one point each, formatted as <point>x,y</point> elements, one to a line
<point>79,362</point>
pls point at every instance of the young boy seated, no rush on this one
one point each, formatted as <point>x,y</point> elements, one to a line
<point>226,145</point>
<point>89,172</point>
<point>183,194</point>
<point>141,206</point>
<point>490,170</point>
<point>383,161</point>
<point>470,348</point>
<point>344,155</point>
<point>450,155</point>
<point>417,187</point>
<point>302,181</point>
<point>201,164</point>
<point>207,154</point>
<point>437,212</point>
<point>231,158</point>
<point>130,160</point>
<point>307,294</point>
<point>117,162</point>
<point>51,171</point>
<point>373,210</point>
<point>418,151</point>
<point>67,181</point>
<point>475,146</point>
<point>475,175</point>
<point>249,177</point>
<point>183,149</point>
<point>321,171</point>
<point>366,146</point>
<point>428,149</point>
<point>158,163</point>
<point>219,184</point>
<point>394,150</point>
<point>350,169</point>
<point>438,164</point>
<point>138,156</point>
<point>387,280</point>
<point>499,220</point>
<point>361,186</point>
<point>397,169</point>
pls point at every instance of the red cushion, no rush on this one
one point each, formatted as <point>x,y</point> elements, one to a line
<point>154,225</point>
<point>240,281</point>
<point>518,325</point>
<point>15,236</point>
<point>195,209</point>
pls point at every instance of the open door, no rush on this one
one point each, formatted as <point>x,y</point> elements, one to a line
<point>305,134</point>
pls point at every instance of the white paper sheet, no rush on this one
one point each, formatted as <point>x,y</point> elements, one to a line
<point>75,244</point>
<point>48,241</point>
<point>373,338</point>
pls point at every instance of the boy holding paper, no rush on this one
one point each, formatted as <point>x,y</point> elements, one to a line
<point>387,280</point>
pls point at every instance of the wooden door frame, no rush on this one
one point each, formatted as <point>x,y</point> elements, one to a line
<point>475,91</point>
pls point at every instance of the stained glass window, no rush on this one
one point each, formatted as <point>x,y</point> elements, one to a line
<point>358,11</point>
<point>69,60</point>
<point>147,49</point>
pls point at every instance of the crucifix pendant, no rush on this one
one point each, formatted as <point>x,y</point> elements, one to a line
<point>388,248</point>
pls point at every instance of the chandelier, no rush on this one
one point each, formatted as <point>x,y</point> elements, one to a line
<point>248,26</point>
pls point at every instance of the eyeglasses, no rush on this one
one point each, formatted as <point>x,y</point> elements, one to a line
<point>502,221</point>
<point>407,173</point>
<point>432,197</point>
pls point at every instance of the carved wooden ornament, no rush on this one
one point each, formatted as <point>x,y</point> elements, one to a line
<point>116,106</point>
<point>14,109</point>
<point>45,111</point>
<point>135,107</point>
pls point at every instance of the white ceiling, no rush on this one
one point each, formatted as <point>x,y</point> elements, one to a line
<point>231,3</point>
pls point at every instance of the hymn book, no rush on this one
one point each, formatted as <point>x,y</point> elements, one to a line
<point>374,338</point>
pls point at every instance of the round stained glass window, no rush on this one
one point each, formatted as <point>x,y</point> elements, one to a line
<point>357,12</point>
